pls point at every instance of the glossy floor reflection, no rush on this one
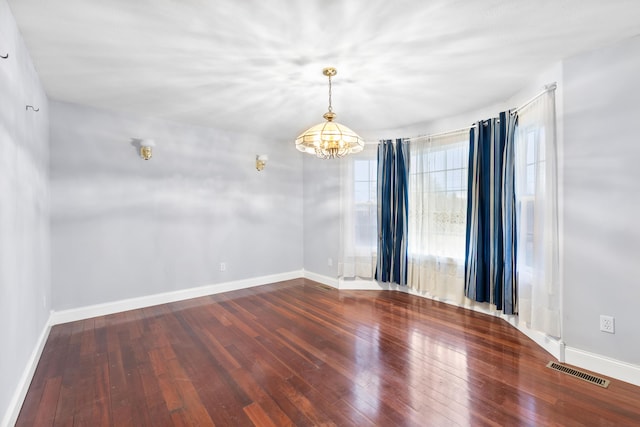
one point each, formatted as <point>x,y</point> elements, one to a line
<point>299,353</point>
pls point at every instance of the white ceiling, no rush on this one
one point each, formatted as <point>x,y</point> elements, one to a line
<point>255,65</point>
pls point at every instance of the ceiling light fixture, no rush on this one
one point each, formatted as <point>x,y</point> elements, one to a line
<point>146,148</point>
<point>330,139</point>
<point>261,161</point>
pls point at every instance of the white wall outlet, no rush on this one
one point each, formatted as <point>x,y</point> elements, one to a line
<point>607,324</point>
<point>330,262</point>
<point>223,266</point>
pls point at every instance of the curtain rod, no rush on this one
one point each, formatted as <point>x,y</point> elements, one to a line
<point>433,135</point>
<point>547,88</point>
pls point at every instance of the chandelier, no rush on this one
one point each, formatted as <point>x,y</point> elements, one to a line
<point>330,139</point>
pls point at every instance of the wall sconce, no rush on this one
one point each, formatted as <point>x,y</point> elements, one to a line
<point>146,146</point>
<point>261,161</point>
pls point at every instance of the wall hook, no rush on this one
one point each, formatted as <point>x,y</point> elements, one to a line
<point>4,56</point>
<point>31,106</point>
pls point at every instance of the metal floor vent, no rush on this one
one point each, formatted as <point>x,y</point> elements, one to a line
<point>578,374</point>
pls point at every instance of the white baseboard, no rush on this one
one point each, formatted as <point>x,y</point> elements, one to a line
<point>87,312</point>
<point>554,346</point>
<point>320,278</point>
<point>613,368</point>
<point>361,284</point>
<point>20,393</point>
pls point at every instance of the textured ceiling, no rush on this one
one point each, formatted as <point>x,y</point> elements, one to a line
<point>255,65</point>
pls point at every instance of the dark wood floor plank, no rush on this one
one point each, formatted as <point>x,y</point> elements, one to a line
<point>300,353</point>
<point>258,416</point>
<point>49,400</point>
<point>261,398</point>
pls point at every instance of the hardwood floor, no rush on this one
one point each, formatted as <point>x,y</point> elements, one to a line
<point>299,353</point>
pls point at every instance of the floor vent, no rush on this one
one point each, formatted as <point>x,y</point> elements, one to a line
<point>578,374</point>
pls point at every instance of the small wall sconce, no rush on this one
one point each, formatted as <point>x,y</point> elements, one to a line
<point>261,161</point>
<point>146,146</point>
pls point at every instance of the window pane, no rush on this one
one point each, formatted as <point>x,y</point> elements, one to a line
<point>454,158</point>
<point>531,179</point>
<point>438,181</point>
<point>366,226</point>
<point>454,180</point>
<point>361,170</point>
<point>438,203</point>
<point>362,192</point>
<point>531,148</point>
<point>364,204</point>
<point>424,163</point>
<point>437,161</point>
<point>373,170</point>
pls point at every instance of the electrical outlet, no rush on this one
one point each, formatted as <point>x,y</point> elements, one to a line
<point>607,324</point>
<point>223,266</point>
<point>330,262</point>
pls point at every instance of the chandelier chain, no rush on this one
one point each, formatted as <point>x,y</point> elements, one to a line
<point>330,108</point>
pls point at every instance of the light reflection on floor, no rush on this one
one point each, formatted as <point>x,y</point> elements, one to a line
<point>438,381</point>
<point>367,353</point>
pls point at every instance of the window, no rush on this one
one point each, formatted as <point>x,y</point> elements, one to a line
<point>359,211</point>
<point>438,215</point>
<point>438,198</point>
<point>539,291</point>
<point>365,202</point>
<point>530,174</point>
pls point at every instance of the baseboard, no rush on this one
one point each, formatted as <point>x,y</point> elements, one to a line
<point>87,312</point>
<point>362,284</point>
<point>352,285</point>
<point>613,368</point>
<point>22,388</point>
<point>320,278</point>
<point>554,346</point>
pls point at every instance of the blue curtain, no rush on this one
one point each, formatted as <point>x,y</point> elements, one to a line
<point>490,258</point>
<point>393,198</point>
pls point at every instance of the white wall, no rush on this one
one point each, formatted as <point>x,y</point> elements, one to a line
<point>123,227</point>
<point>602,199</point>
<point>25,291</point>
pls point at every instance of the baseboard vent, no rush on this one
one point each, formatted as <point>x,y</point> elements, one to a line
<point>578,374</point>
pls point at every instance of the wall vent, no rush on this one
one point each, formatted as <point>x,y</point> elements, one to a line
<point>578,374</point>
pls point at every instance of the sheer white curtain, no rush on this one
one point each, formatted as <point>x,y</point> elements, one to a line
<point>539,292</point>
<point>437,215</point>
<point>359,231</point>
